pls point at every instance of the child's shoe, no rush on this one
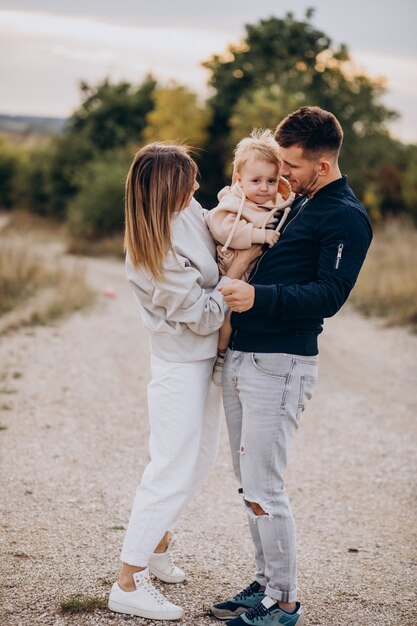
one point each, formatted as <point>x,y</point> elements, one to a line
<point>218,369</point>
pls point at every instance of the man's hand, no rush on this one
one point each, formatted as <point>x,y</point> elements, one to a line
<point>239,295</point>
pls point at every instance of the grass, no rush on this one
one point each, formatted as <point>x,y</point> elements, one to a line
<point>82,604</point>
<point>387,284</point>
<point>108,246</point>
<point>21,273</point>
<point>36,289</point>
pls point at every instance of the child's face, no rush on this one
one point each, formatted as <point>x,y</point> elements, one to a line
<point>259,181</point>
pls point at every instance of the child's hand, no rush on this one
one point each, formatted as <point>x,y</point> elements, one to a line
<point>271,237</point>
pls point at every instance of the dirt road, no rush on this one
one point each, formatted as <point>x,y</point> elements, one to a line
<point>72,401</point>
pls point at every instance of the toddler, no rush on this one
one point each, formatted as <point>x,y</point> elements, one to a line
<point>251,211</point>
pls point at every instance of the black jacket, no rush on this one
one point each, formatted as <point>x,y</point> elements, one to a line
<point>307,275</point>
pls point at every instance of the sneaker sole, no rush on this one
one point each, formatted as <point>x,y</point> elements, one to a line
<point>119,607</point>
<point>225,614</point>
<point>166,579</point>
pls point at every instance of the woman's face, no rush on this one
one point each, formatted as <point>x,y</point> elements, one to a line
<point>196,186</point>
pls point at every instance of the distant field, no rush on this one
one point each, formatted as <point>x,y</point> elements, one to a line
<point>37,285</point>
<point>29,124</point>
<point>387,285</point>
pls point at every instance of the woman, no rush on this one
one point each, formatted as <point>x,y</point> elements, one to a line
<point>172,269</point>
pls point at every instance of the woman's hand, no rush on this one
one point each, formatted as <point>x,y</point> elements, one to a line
<point>239,295</point>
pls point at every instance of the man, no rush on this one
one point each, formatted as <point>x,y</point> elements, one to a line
<point>271,365</point>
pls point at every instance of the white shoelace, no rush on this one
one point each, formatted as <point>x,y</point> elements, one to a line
<point>171,560</point>
<point>145,582</point>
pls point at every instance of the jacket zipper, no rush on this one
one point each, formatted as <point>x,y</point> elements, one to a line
<point>339,255</point>
<point>282,232</point>
<point>262,256</point>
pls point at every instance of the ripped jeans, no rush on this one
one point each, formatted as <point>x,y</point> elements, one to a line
<point>264,395</point>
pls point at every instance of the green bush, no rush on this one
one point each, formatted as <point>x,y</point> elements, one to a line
<point>97,209</point>
<point>10,159</point>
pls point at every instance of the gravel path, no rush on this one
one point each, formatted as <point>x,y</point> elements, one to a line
<point>72,401</point>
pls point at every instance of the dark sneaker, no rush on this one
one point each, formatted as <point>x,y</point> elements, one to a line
<point>240,603</point>
<point>268,613</point>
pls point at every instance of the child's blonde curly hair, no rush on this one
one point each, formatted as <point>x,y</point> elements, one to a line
<point>260,145</point>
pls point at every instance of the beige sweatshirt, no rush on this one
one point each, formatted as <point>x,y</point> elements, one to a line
<point>184,310</point>
<point>244,219</point>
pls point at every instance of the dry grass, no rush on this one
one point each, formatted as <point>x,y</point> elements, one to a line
<point>36,289</point>
<point>387,285</point>
<point>39,228</point>
<point>21,273</point>
<point>108,246</point>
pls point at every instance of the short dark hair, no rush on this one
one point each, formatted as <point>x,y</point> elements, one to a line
<point>311,128</point>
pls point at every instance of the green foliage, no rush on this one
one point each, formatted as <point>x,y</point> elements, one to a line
<point>409,188</point>
<point>280,65</point>
<point>111,116</point>
<point>35,179</point>
<point>83,604</point>
<point>97,210</point>
<point>176,116</point>
<point>259,109</point>
<point>10,160</point>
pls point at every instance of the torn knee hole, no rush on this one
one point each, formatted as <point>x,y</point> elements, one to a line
<point>257,509</point>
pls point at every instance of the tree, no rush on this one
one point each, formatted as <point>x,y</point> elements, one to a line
<point>10,160</point>
<point>260,109</point>
<point>282,63</point>
<point>97,209</point>
<point>410,184</point>
<point>176,116</point>
<point>111,116</point>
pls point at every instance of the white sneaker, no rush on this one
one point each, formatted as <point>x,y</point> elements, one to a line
<point>161,565</point>
<point>217,375</point>
<point>146,601</point>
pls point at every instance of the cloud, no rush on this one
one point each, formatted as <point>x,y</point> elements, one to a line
<point>45,56</point>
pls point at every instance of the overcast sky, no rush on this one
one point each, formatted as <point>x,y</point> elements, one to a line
<point>48,46</point>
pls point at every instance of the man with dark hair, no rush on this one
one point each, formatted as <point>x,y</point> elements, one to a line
<point>271,365</point>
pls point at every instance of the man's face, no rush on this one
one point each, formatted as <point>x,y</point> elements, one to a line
<point>302,173</point>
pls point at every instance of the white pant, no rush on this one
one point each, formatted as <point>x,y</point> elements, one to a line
<point>184,415</point>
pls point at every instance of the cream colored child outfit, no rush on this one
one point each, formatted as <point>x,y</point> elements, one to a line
<point>236,222</point>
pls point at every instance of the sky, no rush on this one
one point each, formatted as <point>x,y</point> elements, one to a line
<point>47,46</point>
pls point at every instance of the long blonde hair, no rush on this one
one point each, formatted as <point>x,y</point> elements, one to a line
<point>159,184</point>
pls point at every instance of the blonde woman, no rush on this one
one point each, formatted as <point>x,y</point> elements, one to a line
<point>171,267</point>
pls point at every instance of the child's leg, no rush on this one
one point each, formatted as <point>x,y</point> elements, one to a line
<point>224,337</point>
<point>224,334</point>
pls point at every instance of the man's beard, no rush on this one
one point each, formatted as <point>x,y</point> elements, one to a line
<point>310,188</point>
